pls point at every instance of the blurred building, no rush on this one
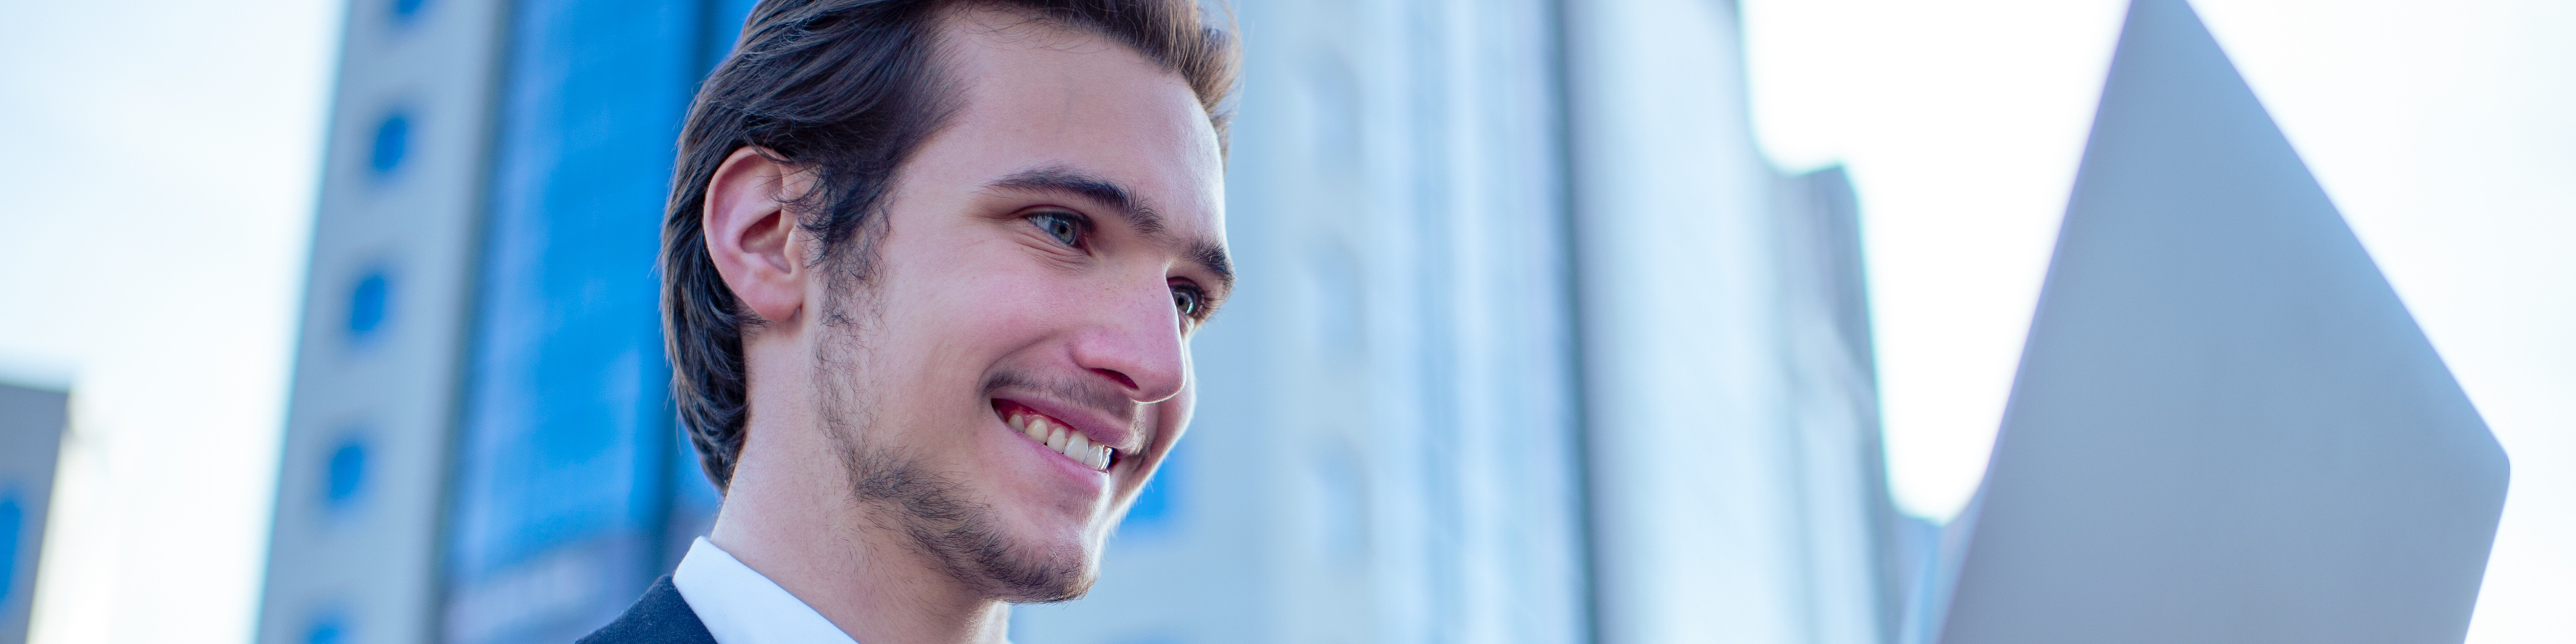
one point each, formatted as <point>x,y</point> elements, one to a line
<point>32,422</point>
<point>1531,345</point>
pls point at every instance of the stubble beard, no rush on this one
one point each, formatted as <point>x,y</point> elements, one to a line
<point>934,511</point>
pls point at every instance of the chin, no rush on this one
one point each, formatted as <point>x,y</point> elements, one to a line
<point>1060,572</point>
<point>1054,545</point>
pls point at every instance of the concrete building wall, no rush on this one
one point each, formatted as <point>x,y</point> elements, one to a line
<point>1647,289</point>
<point>1387,447</point>
<point>353,550</point>
<point>1737,491</point>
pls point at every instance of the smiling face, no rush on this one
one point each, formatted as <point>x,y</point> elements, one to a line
<point>1015,364</point>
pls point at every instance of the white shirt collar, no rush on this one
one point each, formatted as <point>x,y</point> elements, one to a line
<point>741,606</point>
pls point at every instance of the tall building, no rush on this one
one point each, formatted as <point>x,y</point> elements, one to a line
<point>1531,345</point>
<point>32,423</point>
<point>480,446</point>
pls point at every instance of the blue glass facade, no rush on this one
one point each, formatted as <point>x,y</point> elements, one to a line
<point>572,489</point>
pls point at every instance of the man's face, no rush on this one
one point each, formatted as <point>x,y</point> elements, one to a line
<point>1045,259</point>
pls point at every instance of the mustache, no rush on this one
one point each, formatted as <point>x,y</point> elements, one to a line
<point>1087,393</point>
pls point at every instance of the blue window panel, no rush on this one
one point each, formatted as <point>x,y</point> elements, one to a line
<point>392,141</point>
<point>370,302</point>
<point>723,26</point>
<point>345,473</point>
<point>329,628</point>
<point>565,444</point>
<point>405,10</point>
<point>569,465</point>
<point>13,520</point>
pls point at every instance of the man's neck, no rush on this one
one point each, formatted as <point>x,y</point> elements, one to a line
<point>862,576</point>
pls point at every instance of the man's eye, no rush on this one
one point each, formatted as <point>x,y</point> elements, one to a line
<point>1188,301</point>
<point>1062,226</point>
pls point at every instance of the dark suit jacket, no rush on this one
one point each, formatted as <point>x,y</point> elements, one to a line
<point>660,617</point>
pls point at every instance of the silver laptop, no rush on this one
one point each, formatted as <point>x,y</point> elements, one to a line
<point>2226,427</point>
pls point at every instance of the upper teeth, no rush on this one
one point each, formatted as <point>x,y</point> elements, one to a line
<point>1071,444</point>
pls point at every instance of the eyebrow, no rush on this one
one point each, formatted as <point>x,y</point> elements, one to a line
<point>1094,187</point>
<point>1212,257</point>
<point>1056,178</point>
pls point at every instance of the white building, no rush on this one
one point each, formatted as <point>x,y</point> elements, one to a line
<point>1532,347</point>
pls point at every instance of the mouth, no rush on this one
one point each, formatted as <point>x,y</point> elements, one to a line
<point>1057,436</point>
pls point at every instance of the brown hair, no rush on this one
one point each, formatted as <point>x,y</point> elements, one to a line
<point>849,88</point>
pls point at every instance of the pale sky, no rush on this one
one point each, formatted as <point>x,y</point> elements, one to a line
<point>160,169</point>
<point>163,155</point>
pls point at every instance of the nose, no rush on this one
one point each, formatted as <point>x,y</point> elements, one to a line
<point>1134,341</point>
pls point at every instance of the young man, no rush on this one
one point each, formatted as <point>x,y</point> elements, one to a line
<point>931,270</point>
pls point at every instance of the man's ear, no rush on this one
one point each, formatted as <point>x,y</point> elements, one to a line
<point>753,238</point>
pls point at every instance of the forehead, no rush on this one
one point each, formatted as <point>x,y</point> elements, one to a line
<point>1036,94</point>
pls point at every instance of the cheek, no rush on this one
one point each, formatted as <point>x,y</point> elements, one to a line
<point>987,301</point>
<point>1008,309</point>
